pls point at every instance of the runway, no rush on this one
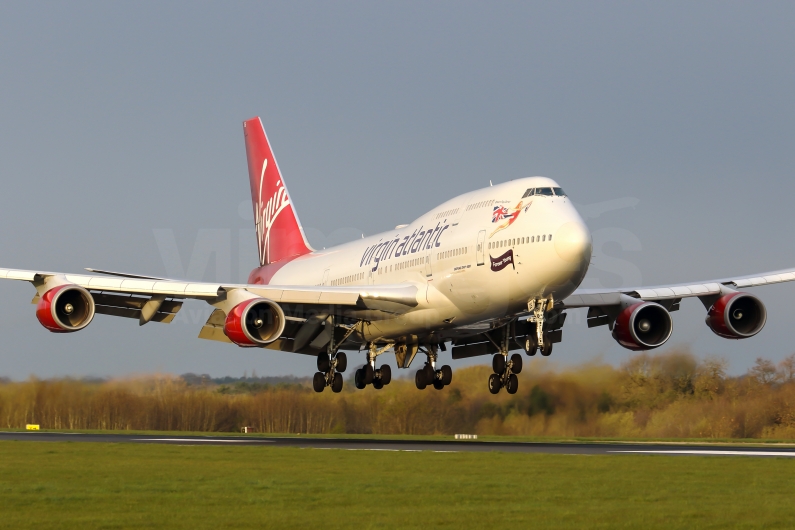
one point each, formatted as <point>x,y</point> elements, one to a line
<point>441,446</point>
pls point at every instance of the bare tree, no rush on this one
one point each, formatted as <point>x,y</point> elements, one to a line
<point>764,371</point>
<point>786,369</point>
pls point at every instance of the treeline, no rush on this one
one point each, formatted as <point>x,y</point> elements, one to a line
<point>671,395</point>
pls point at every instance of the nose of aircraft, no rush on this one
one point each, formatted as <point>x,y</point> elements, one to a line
<point>573,243</point>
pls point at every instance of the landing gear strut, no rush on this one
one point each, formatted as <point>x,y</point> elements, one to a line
<point>429,375</point>
<point>331,363</point>
<point>541,339</point>
<point>368,374</point>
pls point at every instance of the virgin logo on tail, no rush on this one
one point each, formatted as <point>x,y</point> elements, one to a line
<point>267,213</point>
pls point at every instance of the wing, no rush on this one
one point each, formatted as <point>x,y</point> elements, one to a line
<point>149,299</point>
<point>599,297</point>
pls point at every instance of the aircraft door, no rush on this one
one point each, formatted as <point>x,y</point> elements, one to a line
<point>428,273</point>
<point>325,277</point>
<point>480,249</point>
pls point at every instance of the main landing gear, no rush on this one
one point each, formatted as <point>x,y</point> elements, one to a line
<point>429,375</point>
<point>368,374</point>
<point>505,371</point>
<point>331,363</point>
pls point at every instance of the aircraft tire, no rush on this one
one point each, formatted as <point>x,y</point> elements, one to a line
<point>513,384</point>
<point>342,362</point>
<point>378,384</point>
<point>430,374</point>
<point>447,375</point>
<point>494,384</point>
<point>368,373</point>
<point>498,363</point>
<point>336,385</point>
<point>438,384</point>
<point>319,382</point>
<point>516,359</point>
<point>419,379</point>
<point>386,374</point>
<point>358,379</point>
<point>546,351</point>
<point>323,362</point>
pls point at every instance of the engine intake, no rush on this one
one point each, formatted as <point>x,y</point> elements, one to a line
<point>65,309</point>
<point>643,326</point>
<point>737,316</point>
<point>254,322</point>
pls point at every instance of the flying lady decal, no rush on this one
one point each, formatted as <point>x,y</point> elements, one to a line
<point>504,216</point>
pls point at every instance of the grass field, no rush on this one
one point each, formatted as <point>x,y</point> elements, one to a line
<point>85,485</point>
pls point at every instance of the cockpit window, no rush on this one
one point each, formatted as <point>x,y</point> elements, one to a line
<point>546,192</point>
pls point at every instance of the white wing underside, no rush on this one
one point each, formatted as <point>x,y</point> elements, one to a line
<point>390,298</point>
<point>602,297</point>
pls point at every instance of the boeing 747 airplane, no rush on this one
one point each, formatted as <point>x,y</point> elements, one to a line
<point>489,272</point>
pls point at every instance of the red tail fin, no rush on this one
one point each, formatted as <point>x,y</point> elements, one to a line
<point>279,234</point>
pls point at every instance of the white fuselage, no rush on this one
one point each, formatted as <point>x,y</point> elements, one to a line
<point>480,256</point>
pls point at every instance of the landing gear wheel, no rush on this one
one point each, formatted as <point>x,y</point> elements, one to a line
<point>546,351</point>
<point>438,384</point>
<point>516,367</point>
<point>342,362</point>
<point>323,362</point>
<point>447,375</point>
<point>386,374</point>
<point>430,374</point>
<point>419,379</point>
<point>319,382</point>
<point>378,384</point>
<point>512,385</point>
<point>531,346</point>
<point>368,373</point>
<point>494,384</point>
<point>336,385</point>
<point>358,379</point>
<point>498,363</point>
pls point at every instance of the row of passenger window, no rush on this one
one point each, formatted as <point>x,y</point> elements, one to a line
<point>481,204</point>
<point>348,279</point>
<point>447,213</point>
<point>401,265</point>
<point>451,253</point>
<point>520,241</point>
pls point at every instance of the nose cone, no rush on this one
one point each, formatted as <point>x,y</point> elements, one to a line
<point>573,243</point>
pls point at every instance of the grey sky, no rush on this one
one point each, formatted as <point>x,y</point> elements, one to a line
<point>121,141</point>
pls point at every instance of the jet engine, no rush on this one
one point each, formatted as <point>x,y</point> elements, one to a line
<point>65,309</point>
<point>737,316</point>
<point>254,322</point>
<point>643,326</point>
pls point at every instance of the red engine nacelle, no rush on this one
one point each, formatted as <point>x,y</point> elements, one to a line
<point>737,316</point>
<point>643,326</point>
<point>65,309</point>
<point>254,322</point>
